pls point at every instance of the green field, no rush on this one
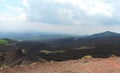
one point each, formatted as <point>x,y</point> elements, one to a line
<point>3,42</point>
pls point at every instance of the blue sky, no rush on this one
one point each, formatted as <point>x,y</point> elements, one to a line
<point>60,16</point>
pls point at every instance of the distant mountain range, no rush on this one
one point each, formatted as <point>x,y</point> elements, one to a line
<point>98,36</point>
<point>49,36</point>
<point>32,36</point>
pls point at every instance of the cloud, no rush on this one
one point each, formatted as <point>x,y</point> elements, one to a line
<point>11,11</point>
<point>68,11</point>
<point>25,3</point>
<point>75,15</point>
<point>63,16</point>
<point>70,29</point>
<point>10,26</point>
<point>92,7</point>
<point>46,11</point>
<point>13,14</point>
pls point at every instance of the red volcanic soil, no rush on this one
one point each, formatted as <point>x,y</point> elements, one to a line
<point>107,65</point>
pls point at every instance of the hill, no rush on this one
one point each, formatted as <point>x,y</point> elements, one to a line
<point>106,34</point>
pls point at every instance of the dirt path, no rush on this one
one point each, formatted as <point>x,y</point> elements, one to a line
<point>109,65</point>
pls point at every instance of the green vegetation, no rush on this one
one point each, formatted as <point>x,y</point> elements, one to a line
<point>3,42</point>
<point>6,41</point>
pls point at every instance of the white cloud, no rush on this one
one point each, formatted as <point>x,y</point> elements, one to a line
<point>92,7</point>
<point>25,3</point>
<point>13,14</point>
<point>8,17</point>
<point>71,29</point>
<point>76,22</point>
<point>61,1</point>
<point>12,26</point>
<point>63,16</point>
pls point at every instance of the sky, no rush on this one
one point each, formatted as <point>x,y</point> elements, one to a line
<point>60,16</point>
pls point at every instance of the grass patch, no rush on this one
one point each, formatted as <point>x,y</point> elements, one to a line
<point>3,42</point>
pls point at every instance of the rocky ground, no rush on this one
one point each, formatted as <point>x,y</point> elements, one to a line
<point>98,65</point>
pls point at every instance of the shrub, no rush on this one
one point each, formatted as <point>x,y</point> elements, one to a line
<point>113,56</point>
<point>87,57</point>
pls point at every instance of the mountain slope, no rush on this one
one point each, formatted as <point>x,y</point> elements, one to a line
<point>105,34</point>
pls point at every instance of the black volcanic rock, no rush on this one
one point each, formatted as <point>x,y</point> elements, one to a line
<point>12,57</point>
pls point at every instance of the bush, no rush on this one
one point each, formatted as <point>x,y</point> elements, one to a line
<point>113,56</point>
<point>87,57</point>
